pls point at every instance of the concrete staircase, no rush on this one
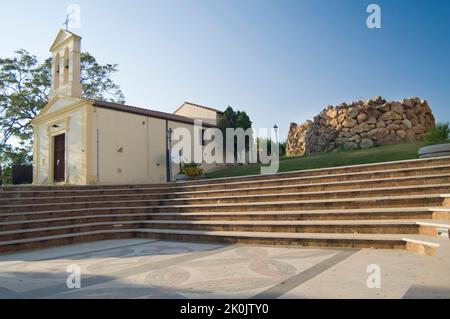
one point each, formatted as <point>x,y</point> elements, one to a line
<point>399,205</point>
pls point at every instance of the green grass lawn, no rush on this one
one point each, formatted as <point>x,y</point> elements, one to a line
<point>341,158</point>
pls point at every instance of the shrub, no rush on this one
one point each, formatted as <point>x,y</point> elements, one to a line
<point>439,133</point>
<point>192,170</point>
<point>191,165</point>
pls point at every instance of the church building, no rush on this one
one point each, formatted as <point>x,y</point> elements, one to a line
<point>82,141</point>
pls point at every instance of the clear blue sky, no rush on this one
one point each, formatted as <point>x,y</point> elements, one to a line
<point>281,61</point>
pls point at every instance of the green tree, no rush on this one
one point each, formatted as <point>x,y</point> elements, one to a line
<point>438,134</point>
<point>234,119</point>
<point>24,87</point>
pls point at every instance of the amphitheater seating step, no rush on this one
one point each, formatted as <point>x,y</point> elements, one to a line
<point>393,205</point>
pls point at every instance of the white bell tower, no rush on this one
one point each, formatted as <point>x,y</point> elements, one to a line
<point>66,65</point>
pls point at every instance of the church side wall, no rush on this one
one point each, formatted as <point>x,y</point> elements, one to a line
<point>126,148</point>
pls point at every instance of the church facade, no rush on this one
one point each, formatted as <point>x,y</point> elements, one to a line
<point>83,142</point>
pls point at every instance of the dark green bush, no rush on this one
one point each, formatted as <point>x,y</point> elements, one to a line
<point>440,133</point>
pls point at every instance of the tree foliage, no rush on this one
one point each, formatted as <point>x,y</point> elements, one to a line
<point>97,82</point>
<point>24,85</point>
<point>439,133</point>
<point>234,119</point>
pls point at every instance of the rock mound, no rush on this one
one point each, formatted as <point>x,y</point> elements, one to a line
<point>361,124</point>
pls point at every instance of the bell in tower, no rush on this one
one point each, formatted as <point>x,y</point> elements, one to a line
<point>66,65</point>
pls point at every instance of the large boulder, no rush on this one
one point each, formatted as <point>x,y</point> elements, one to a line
<point>391,116</point>
<point>397,107</point>
<point>349,123</point>
<point>352,112</point>
<point>407,123</point>
<point>332,113</point>
<point>362,117</point>
<point>363,127</point>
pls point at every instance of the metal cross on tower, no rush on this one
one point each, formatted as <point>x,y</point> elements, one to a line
<point>66,22</point>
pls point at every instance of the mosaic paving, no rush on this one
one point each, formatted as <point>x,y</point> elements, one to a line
<point>165,269</point>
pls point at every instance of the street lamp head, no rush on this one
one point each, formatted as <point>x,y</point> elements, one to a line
<point>275,127</point>
<point>169,132</point>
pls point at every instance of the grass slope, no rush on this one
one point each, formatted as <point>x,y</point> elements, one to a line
<point>341,158</point>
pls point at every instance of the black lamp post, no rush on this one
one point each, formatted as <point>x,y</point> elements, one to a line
<point>169,154</point>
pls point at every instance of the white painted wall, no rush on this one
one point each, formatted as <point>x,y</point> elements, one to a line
<point>130,148</point>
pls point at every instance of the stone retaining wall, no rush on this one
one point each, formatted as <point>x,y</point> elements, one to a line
<point>361,124</point>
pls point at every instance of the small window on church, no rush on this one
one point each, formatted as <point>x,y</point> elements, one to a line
<point>66,66</point>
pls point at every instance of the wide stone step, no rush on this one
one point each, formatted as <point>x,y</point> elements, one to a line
<point>415,243</point>
<point>239,199</point>
<point>56,191</point>
<point>44,188</point>
<point>425,200</point>
<point>441,212</point>
<point>329,187</point>
<point>296,188</point>
<point>351,227</point>
<point>342,177</point>
<point>346,203</point>
<point>69,217</point>
<point>444,160</point>
<point>209,186</point>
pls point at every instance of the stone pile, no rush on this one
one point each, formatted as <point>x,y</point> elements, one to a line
<point>361,124</point>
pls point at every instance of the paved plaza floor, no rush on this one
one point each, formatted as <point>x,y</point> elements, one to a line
<point>167,269</point>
